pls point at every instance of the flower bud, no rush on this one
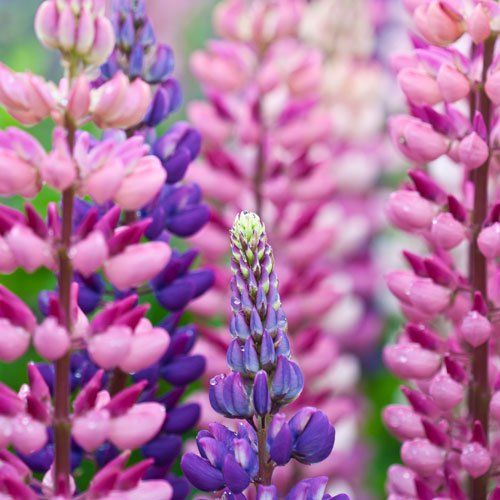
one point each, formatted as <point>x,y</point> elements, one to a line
<point>478,24</point>
<point>261,398</point>
<point>399,283</point>
<point>429,297</point>
<point>473,151</point>
<point>58,169</point>
<point>147,346</point>
<point>89,254</point>
<point>28,434</point>
<point>495,406</point>
<point>441,25</point>
<point>229,396</point>
<point>416,139</point>
<point>422,457</point>
<point>475,329</point>
<point>492,86</point>
<point>403,422</point>
<point>409,211</point>
<point>51,340</point>
<point>20,158</point>
<point>419,87</point>
<point>29,250</point>
<point>401,480</point>
<point>141,185</point>
<point>137,264</point>
<point>445,392</point>
<point>446,231</point>
<point>91,430</point>
<point>109,348</point>
<point>453,84</point>
<point>475,459</point>
<point>201,474</point>
<point>119,103</point>
<point>409,360</point>
<point>14,341</point>
<point>79,99</point>
<point>137,426</point>
<point>75,29</point>
<point>313,436</point>
<point>489,241</point>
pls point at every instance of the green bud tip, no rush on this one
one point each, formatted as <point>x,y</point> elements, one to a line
<point>247,227</point>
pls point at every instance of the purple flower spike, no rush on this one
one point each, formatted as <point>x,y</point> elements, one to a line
<point>263,379</point>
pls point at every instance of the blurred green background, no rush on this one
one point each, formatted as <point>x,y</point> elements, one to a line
<point>186,29</point>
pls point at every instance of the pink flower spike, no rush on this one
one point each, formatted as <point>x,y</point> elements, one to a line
<point>137,264</point>
<point>108,349</point>
<point>419,87</point>
<point>51,340</point>
<point>30,251</point>
<point>89,254</point>
<point>446,231</point>
<point>478,24</point>
<point>14,341</point>
<point>475,459</point>
<point>489,241</point>
<point>475,329</point>
<point>409,360</point>
<point>142,184</point>
<point>445,392</point>
<point>422,456</point>
<point>91,429</point>
<point>147,347</point>
<point>473,151</point>
<point>403,422</point>
<point>453,84</point>
<point>136,427</point>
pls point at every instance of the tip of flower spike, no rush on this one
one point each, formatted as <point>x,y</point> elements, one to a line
<point>248,227</point>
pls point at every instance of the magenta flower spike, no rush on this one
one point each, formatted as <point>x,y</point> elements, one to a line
<point>448,352</point>
<point>277,83</point>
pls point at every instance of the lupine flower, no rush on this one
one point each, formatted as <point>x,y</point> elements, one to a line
<point>96,249</point>
<point>447,348</point>
<point>263,379</point>
<point>277,139</point>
